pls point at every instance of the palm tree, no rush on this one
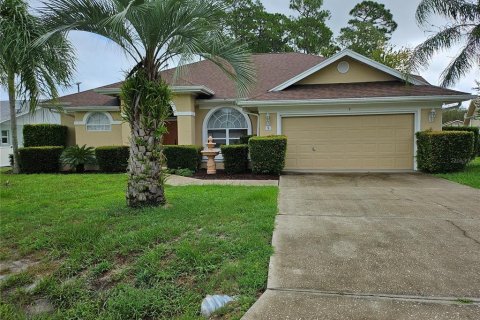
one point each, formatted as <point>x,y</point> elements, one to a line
<point>153,33</point>
<point>28,71</point>
<point>463,28</point>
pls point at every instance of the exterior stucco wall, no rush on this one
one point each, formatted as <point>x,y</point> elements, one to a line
<point>68,120</point>
<point>358,72</point>
<point>436,125</point>
<point>263,124</point>
<point>99,138</point>
<point>185,105</point>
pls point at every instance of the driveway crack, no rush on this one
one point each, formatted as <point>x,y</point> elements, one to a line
<point>465,233</point>
<point>384,296</point>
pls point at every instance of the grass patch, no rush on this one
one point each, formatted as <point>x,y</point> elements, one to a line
<point>94,258</point>
<point>470,176</point>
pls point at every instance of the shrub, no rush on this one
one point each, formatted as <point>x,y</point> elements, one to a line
<point>40,159</point>
<point>444,151</point>
<point>38,135</point>
<point>77,157</point>
<point>11,160</point>
<point>476,136</point>
<point>181,172</point>
<point>235,158</point>
<point>268,154</point>
<point>245,139</point>
<point>112,158</point>
<point>183,157</point>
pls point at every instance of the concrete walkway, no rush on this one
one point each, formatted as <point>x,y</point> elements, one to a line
<point>174,180</point>
<point>373,246</point>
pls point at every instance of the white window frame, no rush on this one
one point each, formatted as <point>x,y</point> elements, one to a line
<point>2,136</point>
<point>106,114</point>
<point>227,138</point>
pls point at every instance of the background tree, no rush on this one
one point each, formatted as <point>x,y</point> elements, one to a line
<point>309,32</point>
<point>248,22</point>
<point>389,56</point>
<point>463,28</point>
<point>370,28</point>
<point>453,114</point>
<point>28,71</point>
<point>153,33</point>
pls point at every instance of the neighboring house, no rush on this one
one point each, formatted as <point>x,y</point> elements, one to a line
<point>454,123</point>
<point>23,117</point>
<point>346,112</point>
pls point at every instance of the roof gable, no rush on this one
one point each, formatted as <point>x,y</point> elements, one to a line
<point>326,72</point>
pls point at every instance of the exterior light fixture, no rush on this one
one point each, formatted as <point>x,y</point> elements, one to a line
<point>432,115</point>
<point>268,126</point>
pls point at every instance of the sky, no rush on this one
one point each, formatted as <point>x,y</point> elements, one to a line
<point>100,63</point>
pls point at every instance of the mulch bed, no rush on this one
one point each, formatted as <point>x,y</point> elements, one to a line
<point>221,175</point>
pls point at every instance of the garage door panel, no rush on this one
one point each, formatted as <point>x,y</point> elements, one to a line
<point>373,142</point>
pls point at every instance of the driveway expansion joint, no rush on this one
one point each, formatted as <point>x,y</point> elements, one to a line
<point>411,298</point>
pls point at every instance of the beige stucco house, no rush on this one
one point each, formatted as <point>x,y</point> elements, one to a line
<point>346,112</point>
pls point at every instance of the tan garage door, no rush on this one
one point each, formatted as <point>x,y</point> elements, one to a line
<point>372,142</point>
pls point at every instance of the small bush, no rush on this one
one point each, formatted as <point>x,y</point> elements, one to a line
<point>444,151</point>
<point>183,157</point>
<point>11,159</point>
<point>235,158</point>
<point>38,135</point>
<point>40,159</point>
<point>268,154</point>
<point>476,136</point>
<point>77,157</point>
<point>112,158</point>
<point>245,139</point>
<point>181,172</point>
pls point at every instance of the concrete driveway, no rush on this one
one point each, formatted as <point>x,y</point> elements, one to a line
<point>373,246</point>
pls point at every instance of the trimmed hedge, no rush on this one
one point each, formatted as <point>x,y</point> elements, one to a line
<point>444,151</point>
<point>112,158</point>
<point>183,157</point>
<point>40,159</point>
<point>235,158</point>
<point>268,154</point>
<point>245,139</point>
<point>38,135</point>
<point>476,136</point>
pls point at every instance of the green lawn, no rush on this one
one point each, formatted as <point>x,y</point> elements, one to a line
<point>469,177</point>
<point>96,259</point>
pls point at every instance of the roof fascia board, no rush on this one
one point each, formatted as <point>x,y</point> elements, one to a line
<point>175,89</point>
<point>338,56</point>
<point>355,100</point>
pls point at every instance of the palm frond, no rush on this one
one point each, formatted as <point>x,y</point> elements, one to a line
<point>459,10</point>
<point>463,62</point>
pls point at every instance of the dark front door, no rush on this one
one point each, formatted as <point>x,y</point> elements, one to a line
<point>172,136</point>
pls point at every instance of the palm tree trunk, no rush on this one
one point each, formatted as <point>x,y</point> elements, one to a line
<point>13,120</point>
<point>145,181</point>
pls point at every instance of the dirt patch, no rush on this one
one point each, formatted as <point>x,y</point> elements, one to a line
<point>8,268</point>
<point>221,175</point>
<point>39,306</point>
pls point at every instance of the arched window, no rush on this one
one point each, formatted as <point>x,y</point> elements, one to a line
<point>98,121</point>
<point>226,126</point>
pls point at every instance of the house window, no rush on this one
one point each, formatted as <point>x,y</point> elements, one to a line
<point>226,126</point>
<point>5,137</point>
<point>98,121</point>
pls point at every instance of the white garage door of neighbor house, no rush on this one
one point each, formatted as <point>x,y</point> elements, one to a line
<point>364,142</point>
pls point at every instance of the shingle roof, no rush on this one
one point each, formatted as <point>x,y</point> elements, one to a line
<point>355,90</point>
<point>271,70</point>
<point>89,98</point>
